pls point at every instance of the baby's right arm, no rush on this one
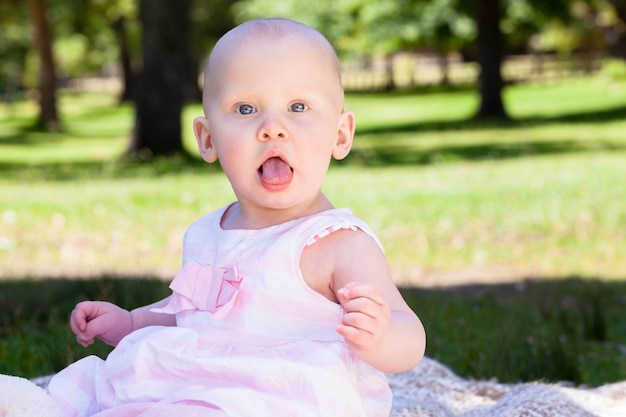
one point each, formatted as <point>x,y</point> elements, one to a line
<point>110,323</point>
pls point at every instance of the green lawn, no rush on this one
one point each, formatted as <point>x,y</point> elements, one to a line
<point>541,197</point>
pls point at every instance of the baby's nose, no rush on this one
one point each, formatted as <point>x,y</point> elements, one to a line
<point>272,128</point>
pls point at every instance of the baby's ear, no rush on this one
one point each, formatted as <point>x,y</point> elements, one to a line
<point>203,138</point>
<point>345,135</point>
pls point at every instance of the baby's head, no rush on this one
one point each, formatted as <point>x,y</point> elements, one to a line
<point>274,115</point>
<point>260,33</point>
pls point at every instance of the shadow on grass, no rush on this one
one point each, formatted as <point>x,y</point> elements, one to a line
<point>35,338</point>
<point>384,154</point>
<point>407,155</point>
<point>403,154</point>
<point>109,169</point>
<point>602,116</point>
<point>541,329</point>
<point>552,330</point>
<point>26,130</point>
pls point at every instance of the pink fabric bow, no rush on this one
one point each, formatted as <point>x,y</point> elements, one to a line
<point>204,287</point>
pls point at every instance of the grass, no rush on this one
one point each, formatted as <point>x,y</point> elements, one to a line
<point>34,335</point>
<point>452,199</point>
<point>550,330</point>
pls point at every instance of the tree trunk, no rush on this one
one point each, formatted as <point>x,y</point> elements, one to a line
<point>444,68</point>
<point>489,47</point>
<point>48,115</point>
<point>160,91</point>
<point>119,28</point>
<point>390,84</point>
<point>618,47</point>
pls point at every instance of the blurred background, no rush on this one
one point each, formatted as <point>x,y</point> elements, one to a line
<point>490,157</point>
<point>106,44</point>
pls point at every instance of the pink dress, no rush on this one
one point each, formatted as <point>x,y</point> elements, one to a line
<point>252,339</point>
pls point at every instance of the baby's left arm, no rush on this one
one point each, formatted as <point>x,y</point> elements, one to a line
<point>377,323</point>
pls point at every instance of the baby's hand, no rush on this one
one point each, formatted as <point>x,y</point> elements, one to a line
<point>106,321</point>
<point>366,317</point>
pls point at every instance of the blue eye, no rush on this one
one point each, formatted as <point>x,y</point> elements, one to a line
<point>245,109</point>
<point>298,107</point>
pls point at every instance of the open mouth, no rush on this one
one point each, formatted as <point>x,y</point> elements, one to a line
<point>275,171</point>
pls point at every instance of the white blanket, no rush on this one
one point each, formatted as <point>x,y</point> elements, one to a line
<point>428,390</point>
<point>433,390</point>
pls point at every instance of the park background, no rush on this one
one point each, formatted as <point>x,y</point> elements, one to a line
<point>489,158</point>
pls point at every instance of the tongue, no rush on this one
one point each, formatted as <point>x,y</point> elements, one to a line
<point>276,171</point>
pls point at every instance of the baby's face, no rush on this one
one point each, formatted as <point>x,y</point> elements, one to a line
<point>274,110</point>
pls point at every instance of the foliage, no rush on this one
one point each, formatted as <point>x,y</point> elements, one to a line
<point>365,28</point>
<point>84,41</point>
<point>86,44</point>
<point>15,45</point>
<point>210,20</point>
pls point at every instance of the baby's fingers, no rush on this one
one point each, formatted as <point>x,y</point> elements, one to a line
<point>78,321</point>
<point>84,340</point>
<point>356,336</point>
<point>364,322</point>
<point>366,306</point>
<point>355,290</point>
<point>360,321</point>
<point>79,327</point>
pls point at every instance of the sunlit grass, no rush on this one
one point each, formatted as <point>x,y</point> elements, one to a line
<point>539,196</point>
<point>524,217</point>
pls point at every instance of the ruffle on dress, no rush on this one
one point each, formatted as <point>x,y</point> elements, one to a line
<point>203,287</point>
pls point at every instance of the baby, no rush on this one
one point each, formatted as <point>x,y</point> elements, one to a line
<point>285,305</point>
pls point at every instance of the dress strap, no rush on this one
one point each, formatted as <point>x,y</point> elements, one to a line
<point>326,224</point>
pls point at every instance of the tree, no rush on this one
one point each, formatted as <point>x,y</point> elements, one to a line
<point>210,20</point>
<point>489,44</point>
<point>125,57</point>
<point>48,114</point>
<point>619,29</point>
<point>118,15</point>
<point>160,90</point>
<point>15,45</point>
<point>100,32</point>
<point>443,26</point>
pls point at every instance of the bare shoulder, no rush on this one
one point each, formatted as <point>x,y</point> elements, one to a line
<point>357,256</point>
<point>343,256</point>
